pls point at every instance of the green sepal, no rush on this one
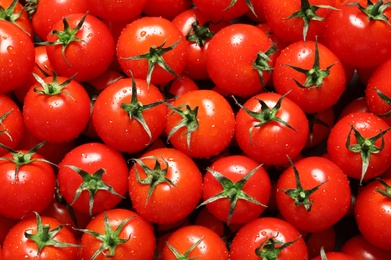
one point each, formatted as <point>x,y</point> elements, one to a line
<point>387,188</point>
<point>374,11</point>
<point>261,64</point>
<point>248,2</point>
<point>386,99</point>
<point>186,255</point>
<point>53,88</point>
<point>9,15</point>
<point>3,117</point>
<point>271,248</point>
<point>199,34</point>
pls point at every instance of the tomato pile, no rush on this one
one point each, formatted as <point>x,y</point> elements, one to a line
<point>179,129</point>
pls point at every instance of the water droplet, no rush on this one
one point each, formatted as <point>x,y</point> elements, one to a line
<point>11,50</point>
<point>143,33</point>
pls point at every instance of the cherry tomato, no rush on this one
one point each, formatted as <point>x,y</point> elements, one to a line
<point>359,248</point>
<point>124,10</point>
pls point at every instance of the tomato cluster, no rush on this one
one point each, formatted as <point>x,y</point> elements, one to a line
<point>179,129</point>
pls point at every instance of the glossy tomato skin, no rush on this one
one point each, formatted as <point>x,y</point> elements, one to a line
<point>230,57</point>
<point>124,10</point>
<point>139,36</point>
<point>166,8</point>
<point>255,233</point>
<point>22,20</point>
<point>113,123</point>
<point>333,193</point>
<point>216,124</point>
<point>210,247</point>
<point>335,256</point>
<point>17,246</point>
<point>91,157</point>
<point>218,10</point>
<point>359,248</point>
<point>273,141</point>
<point>368,125</point>
<point>30,189</point>
<point>313,98</point>
<point>372,212</point>
<point>371,36</point>
<point>48,12</point>
<point>12,125</point>
<point>141,244</point>
<point>166,204</point>
<point>60,123</point>
<point>87,57</point>
<point>379,81</point>
<point>258,187</point>
<point>17,57</point>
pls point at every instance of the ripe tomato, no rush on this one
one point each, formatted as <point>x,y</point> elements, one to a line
<point>201,123</point>
<point>14,12</point>
<point>92,177</point>
<point>39,237</point>
<point>270,126</point>
<point>268,238</point>
<point>57,98</point>
<point>359,248</point>
<point>194,241</point>
<point>48,12</point>
<point>312,74</point>
<point>118,234</point>
<point>157,182</point>
<point>124,10</point>
<point>28,182</point>
<point>129,115</point>
<point>152,48</point>
<point>334,256</point>
<point>11,123</point>
<point>166,8</point>
<point>360,145</point>
<point>372,212</point>
<point>223,10</point>
<point>307,191</point>
<point>365,22</point>
<point>236,189</point>
<point>319,126</point>
<point>80,45</point>
<point>16,56</point>
<point>239,59</point>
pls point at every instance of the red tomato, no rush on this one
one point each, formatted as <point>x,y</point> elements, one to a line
<point>236,189</point>
<point>223,10</point>
<point>14,12</point>
<point>5,225</point>
<point>57,98</point>
<point>194,242</point>
<point>93,177</point>
<point>129,115</point>
<point>312,74</point>
<point>118,234</point>
<point>239,59</point>
<point>28,182</point>
<point>377,92</point>
<point>360,145</point>
<point>372,212</point>
<point>157,182</point>
<point>16,56</point>
<point>201,123</point>
<point>11,123</point>
<point>206,219</point>
<point>269,127</point>
<point>48,12</point>
<point>268,238</point>
<point>293,21</point>
<point>166,8</point>
<point>80,45</point>
<point>325,239</point>
<point>366,24</point>
<point>334,256</point>
<point>320,125</point>
<point>178,87</point>
<point>356,105</point>
<point>123,10</point>
<point>359,248</point>
<point>309,189</point>
<point>39,237</point>
<point>152,48</point>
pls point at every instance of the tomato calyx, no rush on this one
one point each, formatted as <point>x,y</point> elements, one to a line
<point>271,247</point>
<point>300,195</point>
<point>199,34</point>
<point>53,88</point>
<point>248,2</point>
<point>9,15</point>
<point>374,11</point>
<point>261,62</point>
<point>31,7</point>
<point>4,130</point>
<point>155,176</point>
<point>20,158</point>
<point>45,237</point>
<point>184,256</point>
<point>155,57</point>
<point>386,99</point>
<point>307,12</point>
<point>365,147</point>
<point>266,115</point>
<point>233,191</point>
<point>313,119</point>
<point>135,109</point>
<point>91,183</point>
<point>189,120</point>
<point>66,36</point>
<point>387,188</point>
<point>110,240</point>
<point>315,75</point>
